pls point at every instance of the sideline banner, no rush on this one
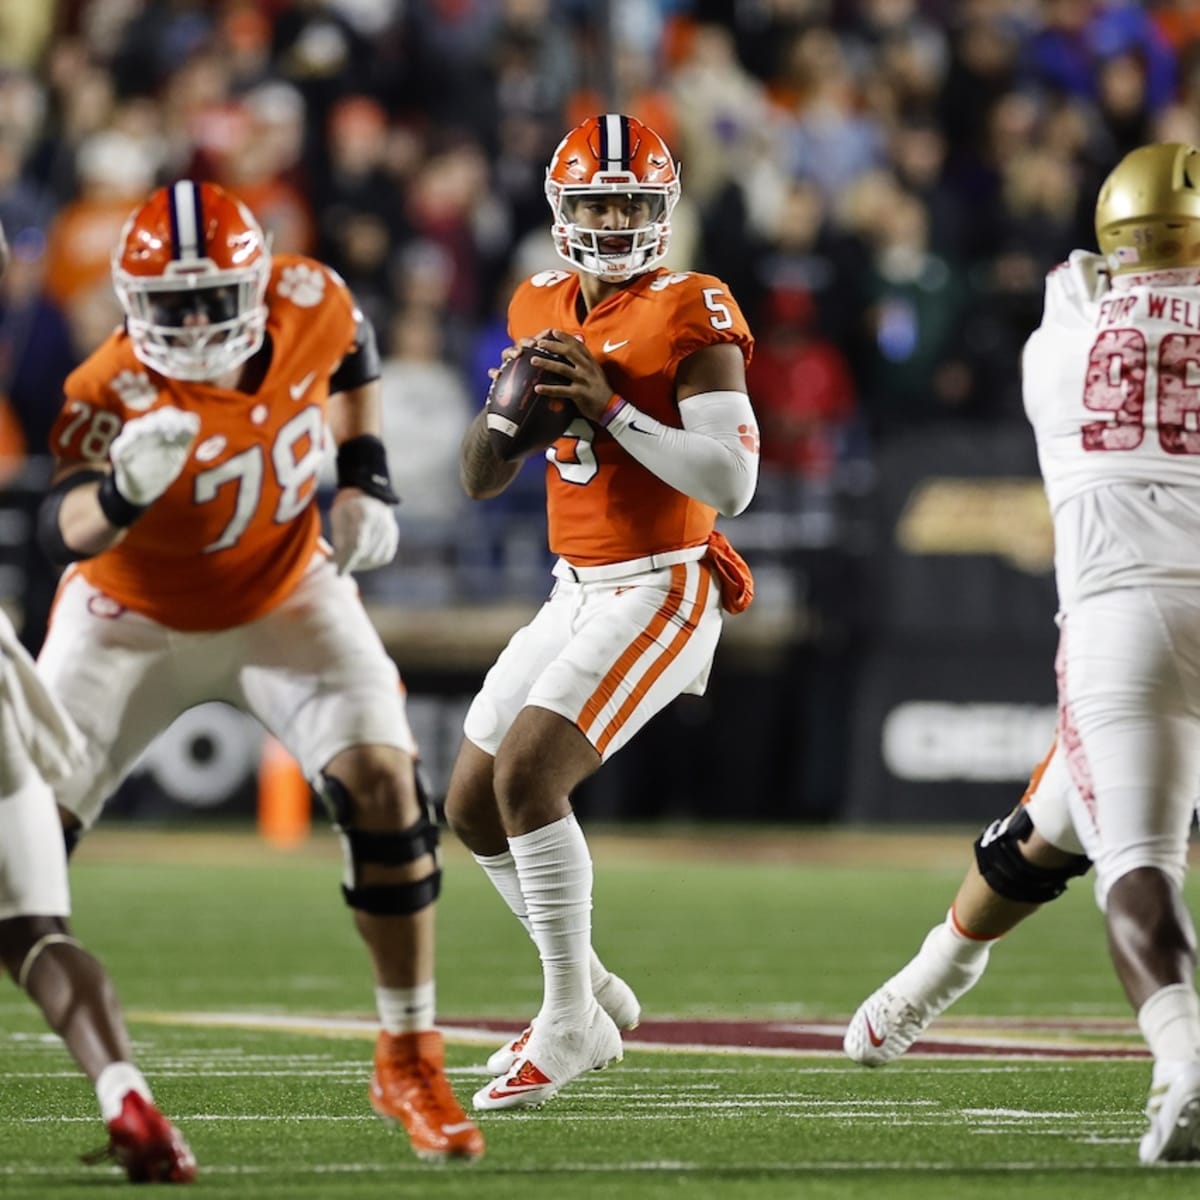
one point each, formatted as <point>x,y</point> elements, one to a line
<point>965,544</point>
<point>948,737</point>
<point>955,699</point>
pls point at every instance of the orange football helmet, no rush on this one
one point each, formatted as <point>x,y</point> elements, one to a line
<point>191,269</point>
<point>612,155</point>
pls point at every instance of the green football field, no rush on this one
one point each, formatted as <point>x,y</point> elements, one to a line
<point>250,1003</point>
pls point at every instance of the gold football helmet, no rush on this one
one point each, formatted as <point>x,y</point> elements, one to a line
<point>1148,211</point>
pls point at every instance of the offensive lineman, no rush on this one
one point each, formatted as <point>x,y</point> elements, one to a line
<point>184,497</point>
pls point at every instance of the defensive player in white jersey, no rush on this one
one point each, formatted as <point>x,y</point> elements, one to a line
<point>1112,388</point>
<point>40,745</point>
<point>1113,392</point>
<point>1020,861</point>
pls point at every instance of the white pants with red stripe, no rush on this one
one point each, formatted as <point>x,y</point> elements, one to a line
<point>606,655</point>
<point>1129,726</point>
<point>1055,807</point>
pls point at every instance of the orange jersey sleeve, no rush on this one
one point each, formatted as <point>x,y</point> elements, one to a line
<point>603,506</point>
<point>230,538</point>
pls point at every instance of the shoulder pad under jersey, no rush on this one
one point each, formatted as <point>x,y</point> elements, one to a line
<point>1074,288</point>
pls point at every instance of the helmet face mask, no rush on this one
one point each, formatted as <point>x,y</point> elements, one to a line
<point>212,304</point>
<point>191,270</point>
<point>608,166</point>
<point>1148,210</point>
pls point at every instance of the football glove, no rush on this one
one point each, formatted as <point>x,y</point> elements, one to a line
<point>149,453</point>
<point>364,531</point>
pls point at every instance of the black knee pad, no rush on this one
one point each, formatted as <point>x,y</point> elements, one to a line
<point>390,849</point>
<point>1009,873</point>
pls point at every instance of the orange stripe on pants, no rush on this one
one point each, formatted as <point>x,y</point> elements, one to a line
<point>607,686</point>
<point>660,664</point>
<point>1038,772</point>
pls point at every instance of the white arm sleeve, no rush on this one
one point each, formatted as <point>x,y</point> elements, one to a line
<point>713,458</point>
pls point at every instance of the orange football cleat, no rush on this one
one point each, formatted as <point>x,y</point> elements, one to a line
<point>409,1087</point>
<point>146,1145</point>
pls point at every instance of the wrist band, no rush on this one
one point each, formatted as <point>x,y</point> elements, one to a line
<point>116,509</point>
<point>362,464</point>
<point>614,406</point>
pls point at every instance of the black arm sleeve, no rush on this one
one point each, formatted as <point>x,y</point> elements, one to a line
<point>49,531</point>
<point>361,365</point>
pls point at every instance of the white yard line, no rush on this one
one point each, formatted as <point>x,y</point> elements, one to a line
<point>709,1170</point>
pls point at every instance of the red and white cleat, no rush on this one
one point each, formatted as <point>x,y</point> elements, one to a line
<point>504,1059</point>
<point>146,1145</point>
<point>614,995</point>
<point>884,1027</point>
<point>553,1056</point>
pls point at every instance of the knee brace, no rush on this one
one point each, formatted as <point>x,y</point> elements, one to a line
<point>1009,873</point>
<point>361,846</point>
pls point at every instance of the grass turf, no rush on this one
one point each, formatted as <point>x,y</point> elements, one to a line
<point>785,927</point>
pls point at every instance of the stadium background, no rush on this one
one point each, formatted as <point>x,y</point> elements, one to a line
<point>882,183</point>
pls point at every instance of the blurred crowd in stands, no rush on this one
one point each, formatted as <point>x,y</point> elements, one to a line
<point>882,183</point>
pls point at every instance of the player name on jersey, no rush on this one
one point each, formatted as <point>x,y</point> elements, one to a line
<point>1179,310</point>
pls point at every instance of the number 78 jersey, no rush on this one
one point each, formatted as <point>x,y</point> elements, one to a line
<point>1111,383</point>
<point>231,537</point>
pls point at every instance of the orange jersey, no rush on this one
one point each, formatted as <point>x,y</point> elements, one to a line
<point>230,538</point>
<point>602,505</point>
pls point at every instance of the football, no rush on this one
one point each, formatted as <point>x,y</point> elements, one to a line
<point>521,421</point>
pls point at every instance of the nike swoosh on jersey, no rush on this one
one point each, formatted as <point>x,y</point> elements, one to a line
<point>638,429</point>
<point>609,347</point>
<point>298,389</point>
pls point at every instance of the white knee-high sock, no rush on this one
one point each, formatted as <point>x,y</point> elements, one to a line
<point>948,964</point>
<point>1170,1023</point>
<point>502,871</point>
<point>555,872</point>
